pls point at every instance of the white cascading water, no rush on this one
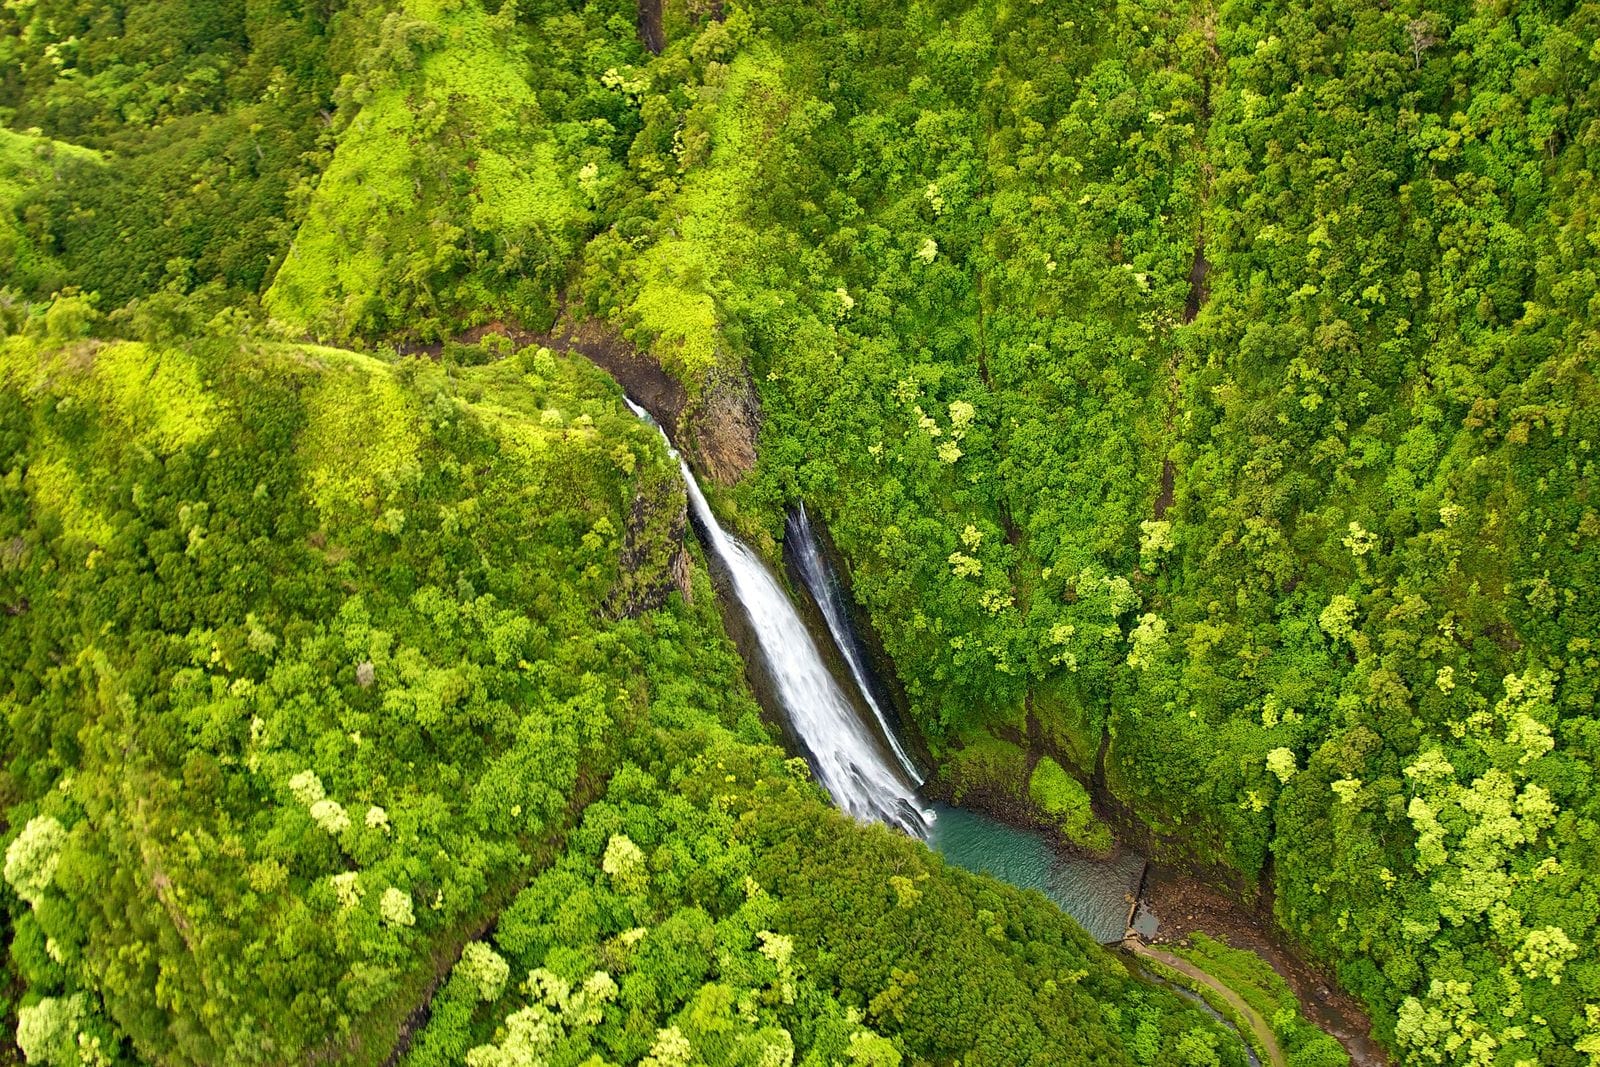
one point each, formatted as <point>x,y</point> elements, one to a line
<point>825,590</point>
<point>847,759</point>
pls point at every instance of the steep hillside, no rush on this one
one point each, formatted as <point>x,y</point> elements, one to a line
<point>313,661</point>
<point>1200,396</point>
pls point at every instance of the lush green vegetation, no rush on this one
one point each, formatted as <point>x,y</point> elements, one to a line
<point>313,660</point>
<point>716,911</point>
<point>303,670</point>
<point>206,118</point>
<point>1309,570</point>
<point>27,163</point>
<point>1265,990</point>
<point>1066,803</point>
<point>444,193</point>
<point>1200,392</point>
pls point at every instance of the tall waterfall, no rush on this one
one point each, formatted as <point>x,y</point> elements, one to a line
<point>849,759</point>
<point>824,586</point>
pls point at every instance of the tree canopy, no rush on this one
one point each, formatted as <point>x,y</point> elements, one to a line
<point>1199,395</point>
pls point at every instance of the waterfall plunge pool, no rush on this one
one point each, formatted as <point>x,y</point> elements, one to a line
<point>1097,893</point>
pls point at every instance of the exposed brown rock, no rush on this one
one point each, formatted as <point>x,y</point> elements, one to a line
<point>1199,288</point>
<point>651,33</point>
<point>641,377</point>
<point>724,426</point>
<point>1169,479</point>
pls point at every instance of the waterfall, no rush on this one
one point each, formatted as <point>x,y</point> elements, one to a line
<point>824,586</point>
<point>850,761</point>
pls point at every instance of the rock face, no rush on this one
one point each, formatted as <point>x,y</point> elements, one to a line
<point>718,428</point>
<point>651,33</point>
<point>724,425</point>
<point>654,559</point>
<point>641,377</point>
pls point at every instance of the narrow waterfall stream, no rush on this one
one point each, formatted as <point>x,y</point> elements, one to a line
<point>1096,892</point>
<point>856,766</point>
<point>824,587</point>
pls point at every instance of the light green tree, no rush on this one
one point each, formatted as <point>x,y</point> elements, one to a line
<point>624,862</point>
<point>868,1049</point>
<point>395,908</point>
<point>47,1032</point>
<point>1281,762</point>
<point>32,858</point>
<point>485,969</point>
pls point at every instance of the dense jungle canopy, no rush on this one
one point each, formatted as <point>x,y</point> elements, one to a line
<point>1200,393</point>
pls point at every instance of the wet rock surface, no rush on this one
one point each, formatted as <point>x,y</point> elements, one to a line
<point>724,425</point>
<point>718,428</point>
<point>641,377</point>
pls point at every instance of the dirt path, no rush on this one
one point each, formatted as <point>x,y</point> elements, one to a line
<point>1268,1040</point>
<point>1186,905</point>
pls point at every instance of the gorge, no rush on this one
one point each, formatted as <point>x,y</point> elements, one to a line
<point>1158,428</point>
